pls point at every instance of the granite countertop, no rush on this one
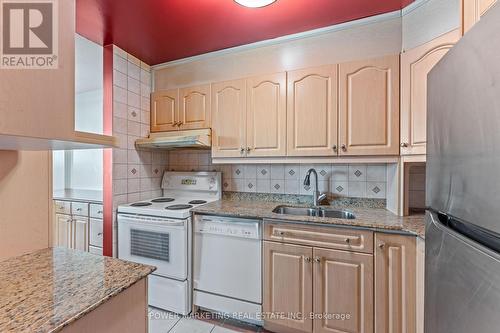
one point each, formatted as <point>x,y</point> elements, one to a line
<point>78,195</point>
<point>372,218</point>
<point>48,289</point>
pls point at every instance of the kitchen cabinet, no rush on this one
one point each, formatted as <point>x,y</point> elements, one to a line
<point>194,108</point>
<point>473,10</point>
<point>63,231</point>
<point>228,117</point>
<point>312,112</point>
<point>415,66</point>
<point>343,284</point>
<point>80,234</point>
<point>266,115</point>
<point>369,107</point>
<point>287,286</point>
<point>395,283</point>
<point>78,225</point>
<point>71,232</point>
<point>165,110</point>
<point>369,278</point>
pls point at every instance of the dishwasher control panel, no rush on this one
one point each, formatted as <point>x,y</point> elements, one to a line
<point>226,226</point>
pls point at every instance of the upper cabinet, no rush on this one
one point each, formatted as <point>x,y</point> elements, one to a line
<point>473,10</point>
<point>249,117</point>
<point>415,66</point>
<point>194,108</point>
<point>351,109</point>
<point>312,112</point>
<point>228,116</point>
<point>266,115</point>
<point>180,109</point>
<point>165,110</point>
<point>369,107</point>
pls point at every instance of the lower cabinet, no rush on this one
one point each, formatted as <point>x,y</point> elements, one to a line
<point>79,226</point>
<point>343,291</point>
<point>288,277</point>
<point>325,290</point>
<point>395,283</point>
<point>71,232</point>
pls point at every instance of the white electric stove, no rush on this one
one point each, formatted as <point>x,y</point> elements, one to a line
<point>157,232</point>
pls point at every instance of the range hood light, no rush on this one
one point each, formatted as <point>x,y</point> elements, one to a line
<point>254,3</point>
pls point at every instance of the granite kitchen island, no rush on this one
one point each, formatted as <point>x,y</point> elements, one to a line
<point>62,290</point>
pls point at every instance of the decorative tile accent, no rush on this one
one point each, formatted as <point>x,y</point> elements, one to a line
<point>357,172</point>
<point>376,190</point>
<point>339,188</point>
<point>322,173</point>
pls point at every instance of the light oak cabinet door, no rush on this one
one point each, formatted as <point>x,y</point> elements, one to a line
<point>415,65</point>
<point>80,235</point>
<point>395,283</point>
<point>228,119</point>
<point>369,107</point>
<point>194,112</point>
<point>165,110</point>
<point>266,115</point>
<point>287,286</point>
<point>63,230</point>
<point>312,112</point>
<point>343,284</point>
<point>473,10</point>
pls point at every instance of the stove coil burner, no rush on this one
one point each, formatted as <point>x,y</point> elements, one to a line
<point>178,207</point>
<point>162,200</point>
<point>197,202</point>
<point>141,204</point>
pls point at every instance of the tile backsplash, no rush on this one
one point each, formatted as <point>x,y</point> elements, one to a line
<point>354,180</point>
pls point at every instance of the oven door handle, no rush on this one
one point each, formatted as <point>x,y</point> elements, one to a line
<point>126,218</point>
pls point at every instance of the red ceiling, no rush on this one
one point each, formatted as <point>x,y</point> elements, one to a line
<point>157,31</point>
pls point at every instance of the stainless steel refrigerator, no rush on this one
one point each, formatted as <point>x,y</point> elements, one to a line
<point>462,277</point>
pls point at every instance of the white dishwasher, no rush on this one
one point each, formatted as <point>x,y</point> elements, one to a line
<point>228,266</point>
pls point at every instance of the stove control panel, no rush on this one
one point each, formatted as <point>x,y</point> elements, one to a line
<point>226,226</point>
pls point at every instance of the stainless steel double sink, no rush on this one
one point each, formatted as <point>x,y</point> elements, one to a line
<point>314,211</point>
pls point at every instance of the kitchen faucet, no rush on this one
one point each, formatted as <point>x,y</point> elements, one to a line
<point>317,197</point>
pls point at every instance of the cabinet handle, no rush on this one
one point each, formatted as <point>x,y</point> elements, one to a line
<point>307,259</point>
<point>78,209</point>
<point>335,148</point>
<point>99,234</point>
<point>404,145</point>
<point>248,149</point>
<point>381,245</point>
<point>99,212</point>
<point>348,240</point>
<point>317,259</point>
<point>180,124</point>
<point>279,233</point>
<point>344,148</point>
<point>242,150</point>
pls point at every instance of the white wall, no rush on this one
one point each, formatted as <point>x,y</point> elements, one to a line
<point>89,111</point>
<point>58,171</point>
<point>425,20</point>
<point>89,86</point>
<point>361,39</point>
<point>87,169</point>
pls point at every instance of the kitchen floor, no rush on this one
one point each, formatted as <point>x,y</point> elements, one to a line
<point>162,322</point>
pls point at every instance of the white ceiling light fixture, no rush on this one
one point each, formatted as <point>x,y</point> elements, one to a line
<point>254,3</point>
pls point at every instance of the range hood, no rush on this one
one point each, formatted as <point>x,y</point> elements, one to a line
<point>198,139</point>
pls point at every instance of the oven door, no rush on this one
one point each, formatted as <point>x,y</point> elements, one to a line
<point>154,241</point>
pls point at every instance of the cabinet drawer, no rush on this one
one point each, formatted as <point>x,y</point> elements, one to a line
<point>96,211</point>
<point>95,250</point>
<point>327,237</point>
<point>62,207</point>
<point>80,208</point>
<point>96,232</point>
